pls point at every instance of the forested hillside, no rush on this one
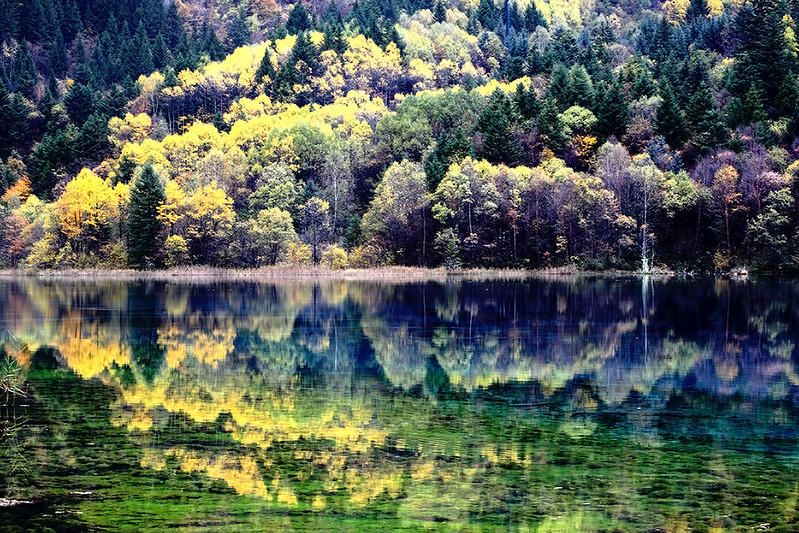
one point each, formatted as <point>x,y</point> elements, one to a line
<point>152,133</point>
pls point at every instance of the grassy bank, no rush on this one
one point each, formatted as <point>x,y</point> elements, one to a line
<point>396,273</point>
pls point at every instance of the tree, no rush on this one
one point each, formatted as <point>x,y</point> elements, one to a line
<point>299,21</point>
<point>24,75</point>
<point>762,57</point>
<point>397,214</point>
<point>670,121</point>
<point>315,217</point>
<point>146,197</point>
<point>85,211</point>
<point>727,199</point>
<point>499,144</point>
<point>272,232</point>
<point>239,32</point>
<point>707,124</point>
<point>265,69</point>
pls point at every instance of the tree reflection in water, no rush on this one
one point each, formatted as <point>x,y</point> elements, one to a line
<point>583,403</point>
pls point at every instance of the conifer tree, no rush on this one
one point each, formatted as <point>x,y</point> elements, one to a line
<point>440,12</point>
<point>495,123</point>
<point>488,14</point>
<point>9,20</point>
<point>670,121</point>
<point>24,74</point>
<point>550,125</point>
<point>707,124</point>
<point>299,20</point>
<point>762,58</point>
<point>146,196</point>
<point>558,90</point>
<point>141,55</point>
<point>239,32</point>
<point>611,110</point>
<point>59,62</point>
<point>533,18</point>
<point>526,102</point>
<point>581,88</point>
<point>265,69</point>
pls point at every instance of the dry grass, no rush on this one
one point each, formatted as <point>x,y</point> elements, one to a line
<point>395,274</point>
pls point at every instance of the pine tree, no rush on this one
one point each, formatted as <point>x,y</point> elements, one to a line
<point>71,21</point>
<point>59,62</point>
<point>533,18</point>
<point>440,12</point>
<point>265,69</point>
<point>79,103</point>
<point>24,75</point>
<point>9,21</point>
<point>488,14</point>
<point>581,88</point>
<point>334,39</point>
<point>526,102</point>
<point>558,90</point>
<point>762,58</point>
<point>161,54</point>
<point>140,60</point>
<point>239,32</point>
<point>92,140</point>
<point>550,125</point>
<point>707,124</point>
<point>299,21</point>
<point>146,196</point>
<point>611,110</point>
<point>670,121</point>
<point>495,123</point>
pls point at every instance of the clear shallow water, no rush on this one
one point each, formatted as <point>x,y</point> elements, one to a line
<point>560,405</point>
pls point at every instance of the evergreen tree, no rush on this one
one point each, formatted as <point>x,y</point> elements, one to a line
<point>146,196</point>
<point>9,21</point>
<point>670,121</point>
<point>558,90</point>
<point>161,54</point>
<point>59,62</point>
<point>707,124</point>
<point>92,140</point>
<point>762,58</point>
<point>697,10</point>
<point>611,110</point>
<point>526,102</point>
<point>533,18</point>
<point>140,60</point>
<point>334,39</point>
<point>753,109</point>
<point>299,21</point>
<point>265,69</point>
<point>79,103</point>
<point>126,168</point>
<point>239,32</point>
<point>24,75</point>
<point>212,45</point>
<point>581,88</point>
<point>550,125</point>
<point>496,125</point>
<point>488,14</point>
<point>440,12</point>
<point>71,21</point>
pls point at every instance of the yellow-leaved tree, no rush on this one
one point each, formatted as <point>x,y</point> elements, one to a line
<point>86,211</point>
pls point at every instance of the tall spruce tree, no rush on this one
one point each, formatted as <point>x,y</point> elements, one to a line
<point>670,120</point>
<point>762,58</point>
<point>707,124</point>
<point>146,196</point>
<point>496,125</point>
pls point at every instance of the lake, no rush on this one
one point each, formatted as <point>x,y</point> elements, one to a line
<point>561,404</point>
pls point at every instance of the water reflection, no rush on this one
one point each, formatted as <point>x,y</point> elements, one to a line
<point>579,404</point>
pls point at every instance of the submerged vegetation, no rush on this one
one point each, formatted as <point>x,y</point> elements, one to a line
<point>347,405</point>
<point>531,134</point>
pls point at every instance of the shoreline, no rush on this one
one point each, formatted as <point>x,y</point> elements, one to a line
<point>284,273</point>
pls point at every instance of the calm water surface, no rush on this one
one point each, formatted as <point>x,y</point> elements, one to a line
<point>539,405</point>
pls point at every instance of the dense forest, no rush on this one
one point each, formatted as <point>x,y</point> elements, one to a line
<point>524,133</point>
